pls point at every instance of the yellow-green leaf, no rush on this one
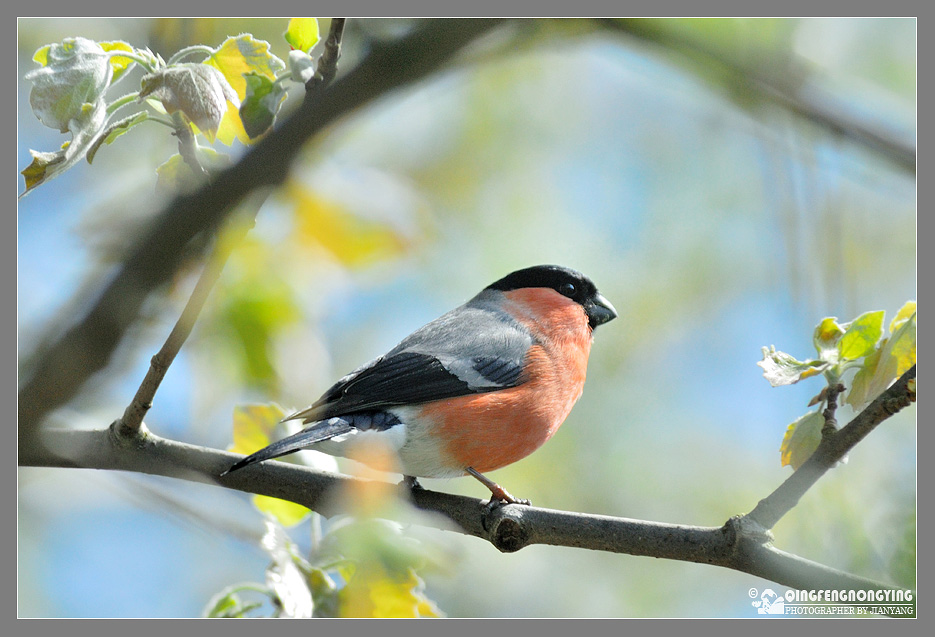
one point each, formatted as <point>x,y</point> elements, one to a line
<point>243,54</point>
<point>119,63</point>
<point>287,513</point>
<point>905,313</point>
<point>302,33</point>
<point>376,593</point>
<point>254,426</point>
<point>351,239</point>
<point>801,439</point>
<point>902,346</point>
<point>236,56</point>
<point>42,55</point>
<point>892,358</point>
<point>38,171</point>
<point>861,336</point>
<point>861,385</point>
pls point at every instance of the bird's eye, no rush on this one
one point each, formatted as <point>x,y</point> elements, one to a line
<point>567,289</point>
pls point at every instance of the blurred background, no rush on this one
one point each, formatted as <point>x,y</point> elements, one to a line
<point>717,216</point>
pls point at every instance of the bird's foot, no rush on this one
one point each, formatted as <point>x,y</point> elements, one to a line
<point>498,495</point>
<point>410,484</point>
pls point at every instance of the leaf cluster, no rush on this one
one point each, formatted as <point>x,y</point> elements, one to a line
<point>843,347</point>
<point>233,93</point>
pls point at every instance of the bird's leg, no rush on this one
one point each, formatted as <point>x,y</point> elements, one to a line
<point>411,483</point>
<point>497,492</point>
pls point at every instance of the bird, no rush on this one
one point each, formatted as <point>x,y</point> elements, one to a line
<point>474,390</point>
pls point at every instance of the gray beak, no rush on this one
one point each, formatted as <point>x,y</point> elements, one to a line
<point>600,310</point>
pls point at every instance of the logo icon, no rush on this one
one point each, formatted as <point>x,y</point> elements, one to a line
<point>769,603</point>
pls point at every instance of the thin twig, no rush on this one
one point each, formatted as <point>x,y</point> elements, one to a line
<point>188,146</point>
<point>132,418</point>
<point>831,407</point>
<point>328,63</point>
<point>831,450</point>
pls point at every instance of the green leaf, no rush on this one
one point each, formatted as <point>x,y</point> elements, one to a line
<point>801,439</point>
<point>861,336</point>
<point>780,368</point>
<point>114,131</point>
<point>302,33</point>
<point>255,307</point>
<point>259,109</point>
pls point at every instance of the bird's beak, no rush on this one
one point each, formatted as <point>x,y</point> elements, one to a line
<point>600,310</point>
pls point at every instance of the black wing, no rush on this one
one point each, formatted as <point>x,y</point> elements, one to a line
<point>407,378</point>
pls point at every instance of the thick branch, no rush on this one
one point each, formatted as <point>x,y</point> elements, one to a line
<point>509,528</point>
<point>832,448</point>
<point>86,348</point>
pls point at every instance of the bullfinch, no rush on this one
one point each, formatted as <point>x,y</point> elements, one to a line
<point>474,390</point>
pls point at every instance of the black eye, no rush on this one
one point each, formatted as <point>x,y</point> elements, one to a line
<point>567,289</point>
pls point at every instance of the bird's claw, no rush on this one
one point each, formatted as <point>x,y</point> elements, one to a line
<point>495,503</point>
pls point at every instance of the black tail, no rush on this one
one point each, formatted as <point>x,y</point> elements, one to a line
<point>301,440</point>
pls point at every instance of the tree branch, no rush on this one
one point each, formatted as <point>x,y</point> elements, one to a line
<point>741,544</point>
<point>142,402</point>
<point>64,366</point>
<point>833,447</point>
<point>792,90</point>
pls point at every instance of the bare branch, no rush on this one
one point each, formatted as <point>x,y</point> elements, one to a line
<point>143,400</point>
<point>509,528</point>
